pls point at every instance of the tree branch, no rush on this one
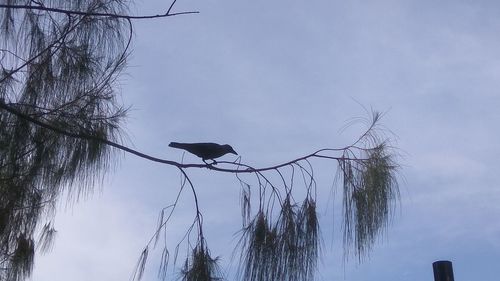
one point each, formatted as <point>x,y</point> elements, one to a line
<point>248,169</point>
<point>70,12</point>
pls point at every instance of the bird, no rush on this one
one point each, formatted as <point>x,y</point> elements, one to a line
<point>205,150</point>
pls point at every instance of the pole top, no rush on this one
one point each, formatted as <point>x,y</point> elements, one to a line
<point>443,270</point>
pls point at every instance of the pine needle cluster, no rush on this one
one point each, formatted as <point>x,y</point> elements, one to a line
<point>59,69</point>
<point>286,250</point>
<point>370,190</point>
<point>200,266</point>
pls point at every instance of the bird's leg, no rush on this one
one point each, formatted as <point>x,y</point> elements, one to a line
<point>210,164</point>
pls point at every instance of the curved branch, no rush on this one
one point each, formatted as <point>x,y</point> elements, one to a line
<point>248,169</point>
<point>26,117</point>
<point>199,216</point>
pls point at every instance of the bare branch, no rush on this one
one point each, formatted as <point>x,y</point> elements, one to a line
<point>93,14</point>
<point>85,136</point>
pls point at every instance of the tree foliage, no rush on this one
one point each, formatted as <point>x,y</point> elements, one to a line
<point>280,237</point>
<point>59,69</point>
<point>60,122</point>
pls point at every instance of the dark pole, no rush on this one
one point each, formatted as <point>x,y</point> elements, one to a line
<point>443,271</point>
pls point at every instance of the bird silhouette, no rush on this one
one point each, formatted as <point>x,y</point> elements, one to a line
<point>205,150</point>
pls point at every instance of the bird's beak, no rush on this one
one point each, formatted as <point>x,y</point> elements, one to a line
<point>233,152</point>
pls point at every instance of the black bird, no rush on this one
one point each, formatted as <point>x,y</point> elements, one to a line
<point>205,150</point>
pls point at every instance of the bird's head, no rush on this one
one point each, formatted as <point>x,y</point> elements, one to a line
<point>229,149</point>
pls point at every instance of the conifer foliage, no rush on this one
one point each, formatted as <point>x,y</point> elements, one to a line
<point>60,69</point>
<point>60,124</point>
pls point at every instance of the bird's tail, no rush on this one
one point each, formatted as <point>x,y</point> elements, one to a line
<point>177,145</point>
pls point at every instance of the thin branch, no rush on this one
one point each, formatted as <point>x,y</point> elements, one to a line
<point>198,213</point>
<point>71,12</point>
<point>12,110</point>
<point>12,54</point>
<point>248,169</point>
<point>31,60</point>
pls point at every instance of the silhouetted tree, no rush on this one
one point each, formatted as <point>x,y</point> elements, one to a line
<point>60,125</point>
<point>58,68</point>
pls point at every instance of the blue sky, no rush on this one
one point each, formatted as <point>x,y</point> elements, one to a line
<point>279,79</point>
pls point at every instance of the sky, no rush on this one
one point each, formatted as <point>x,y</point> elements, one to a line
<point>278,80</point>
